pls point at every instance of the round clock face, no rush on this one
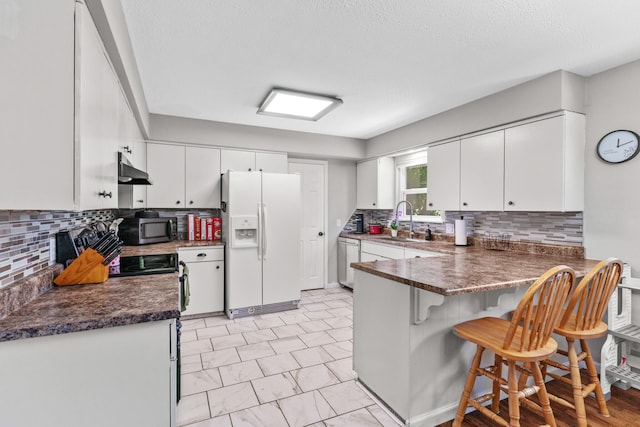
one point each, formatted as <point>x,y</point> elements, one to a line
<point>618,146</point>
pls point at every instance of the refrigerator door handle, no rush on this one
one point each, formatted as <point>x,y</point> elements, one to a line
<point>260,231</point>
<point>264,231</point>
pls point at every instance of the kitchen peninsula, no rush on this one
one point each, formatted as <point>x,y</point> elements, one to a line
<point>404,349</point>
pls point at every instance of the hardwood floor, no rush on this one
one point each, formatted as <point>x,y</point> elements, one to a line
<point>624,407</point>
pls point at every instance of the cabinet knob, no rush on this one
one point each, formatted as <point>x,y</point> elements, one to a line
<point>190,202</point>
<point>464,203</point>
<point>201,255</point>
<point>260,170</point>
<point>430,204</point>
<point>511,203</point>
<point>105,194</point>
<point>374,204</point>
<point>127,149</point>
<point>321,234</point>
<point>140,201</point>
<point>217,267</point>
<point>178,202</point>
<point>249,169</point>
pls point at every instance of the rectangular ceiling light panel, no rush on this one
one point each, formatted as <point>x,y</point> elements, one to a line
<point>297,105</point>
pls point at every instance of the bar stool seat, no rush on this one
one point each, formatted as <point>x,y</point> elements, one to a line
<point>520,343</point>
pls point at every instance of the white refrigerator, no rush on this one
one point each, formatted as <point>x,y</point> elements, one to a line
<point>261,230</point>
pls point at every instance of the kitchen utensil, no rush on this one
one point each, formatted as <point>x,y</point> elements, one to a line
<point>115,225</point>
<point>112,256</point>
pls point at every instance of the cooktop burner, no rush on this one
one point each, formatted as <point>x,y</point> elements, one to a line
<point>145,264</point>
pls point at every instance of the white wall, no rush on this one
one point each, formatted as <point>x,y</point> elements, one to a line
<point>611,220</point>
<point>612,205</point>
<point>342,203</point>
<point>298,144</point>
<point>552,92</point>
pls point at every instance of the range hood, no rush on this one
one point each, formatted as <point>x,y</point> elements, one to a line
<point>129,175</point>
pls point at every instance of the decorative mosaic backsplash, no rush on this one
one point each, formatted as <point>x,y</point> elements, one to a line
<point>542,227</point>
<point>24,238</point>
<point>25,235</point>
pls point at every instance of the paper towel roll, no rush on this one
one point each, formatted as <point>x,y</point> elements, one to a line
<point>461,232</point>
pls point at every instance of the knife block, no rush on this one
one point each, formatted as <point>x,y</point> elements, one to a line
<point>87,268</point>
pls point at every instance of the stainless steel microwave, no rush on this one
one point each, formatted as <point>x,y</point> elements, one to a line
<point>143,231</point>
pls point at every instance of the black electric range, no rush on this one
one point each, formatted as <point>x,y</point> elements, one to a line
<point>138,265</point>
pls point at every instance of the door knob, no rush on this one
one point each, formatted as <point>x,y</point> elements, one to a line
<point>321,234</point>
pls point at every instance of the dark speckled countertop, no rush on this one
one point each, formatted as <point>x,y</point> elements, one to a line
<point>472,269</point>
<point>476,270</point>
<point>118,301</point>
<point>35,308</point>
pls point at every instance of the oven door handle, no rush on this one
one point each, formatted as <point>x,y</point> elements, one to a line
<point>185,292</point>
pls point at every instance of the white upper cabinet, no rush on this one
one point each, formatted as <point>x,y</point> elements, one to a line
<point>244,160</point>
<point>375,184</point>
<point>202,177</point>
<point>237,160</point>
<point>544,165</point>
<point>61,105</point>
<point>534,166</point>
<point>183,176</point>
<point>140,162</point>
<point>482,172</point>
<point>101,120</point>
<point>272,162</point>
<point>443,176</point>
<point>165,166</point>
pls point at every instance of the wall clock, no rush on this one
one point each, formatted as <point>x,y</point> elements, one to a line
<point>618,146</point>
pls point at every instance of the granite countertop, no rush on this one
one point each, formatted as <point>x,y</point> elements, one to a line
<point>118,301</point>
<point>35,308</point>
<point>475,270</point>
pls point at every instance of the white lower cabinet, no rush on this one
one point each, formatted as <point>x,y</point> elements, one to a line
<point>377,252</point>
<point>206,278</point>
<point>122,376</point>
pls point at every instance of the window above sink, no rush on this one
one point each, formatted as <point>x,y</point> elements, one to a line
<point>411,177</point>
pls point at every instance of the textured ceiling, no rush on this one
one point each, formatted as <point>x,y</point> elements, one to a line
<point>391,61</point>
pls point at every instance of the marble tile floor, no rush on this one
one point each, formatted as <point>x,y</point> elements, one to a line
<point>288,369</point>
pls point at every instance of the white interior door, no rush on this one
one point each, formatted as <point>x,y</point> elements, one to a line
<point>312,232</point>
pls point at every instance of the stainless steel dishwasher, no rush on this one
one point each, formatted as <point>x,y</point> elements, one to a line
<point>348,252</point>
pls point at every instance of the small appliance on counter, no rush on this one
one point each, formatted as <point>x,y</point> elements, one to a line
<point>359,223</point>
<point>148,227</point>
<point>138,265</point>
<point>375,228</point>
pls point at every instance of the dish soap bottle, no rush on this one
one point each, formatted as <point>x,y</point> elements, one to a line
<point>427,234</point>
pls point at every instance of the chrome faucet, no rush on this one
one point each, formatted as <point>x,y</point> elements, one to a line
<point>410,215</point>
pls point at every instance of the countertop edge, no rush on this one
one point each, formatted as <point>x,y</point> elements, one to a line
<point>105,322</point>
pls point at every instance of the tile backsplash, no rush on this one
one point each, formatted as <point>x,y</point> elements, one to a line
<point>542,227</point>
<point>25,235</point>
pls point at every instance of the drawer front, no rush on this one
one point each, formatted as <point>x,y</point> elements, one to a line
<point>415,253</point>
<point>202,253</point>
<point>392,252</point>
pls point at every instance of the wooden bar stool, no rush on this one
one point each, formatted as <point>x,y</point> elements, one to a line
<point>581,321</point>
<point>525,339</point>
